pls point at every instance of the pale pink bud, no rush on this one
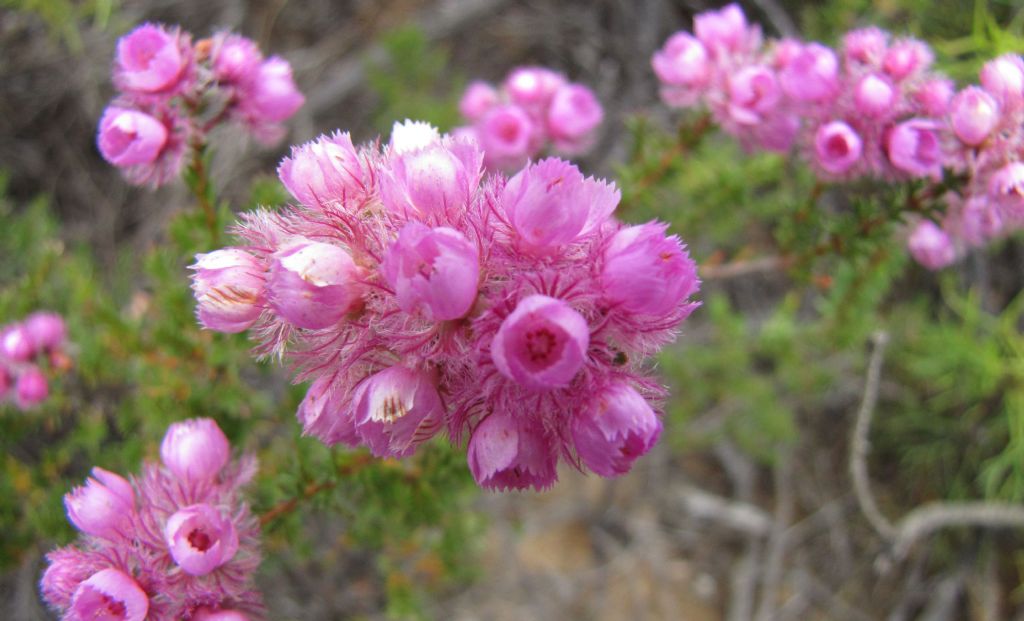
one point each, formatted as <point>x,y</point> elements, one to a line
<point>874,96</point>
<point>313,285</point>
<point>31,388</point>
<point>913,147</point>
<point>235,58</point>
<point>837,147</point>
<point>542,344</point>
<point>129,137</point>
<point>646,272</point>
<point>1006,188</point>
<point>195,449</point>
<point>504,455</point>
<point>753,91</point>
<point>531,87</point>
<point>16,343</point>
<point>723,30</point>
<point>110,595</point>
<point>906,57</point>
<point>973,113</point>
<point>682,61</point>
<point>325,413</point>
<point>934,96</point>
<point>206,614</point>
<point>573,115</point>
<point>324,170</point>
<point>477,100</point>
<point>931,246</point>
<point>270,94</point>
<point>229,286</point>
<point>1003,77</point>
<point>506,135</point>
<point>614,429</point>
<point>103,506</point>
<point>812,75</point>
<point>434,180</point>
<point>149,60</point>
<point>46,330</point>
<point>432,271</point>
<point>396,410</point>
<point>865,46</point>
<point>412,136</point>
<point>200,539</point>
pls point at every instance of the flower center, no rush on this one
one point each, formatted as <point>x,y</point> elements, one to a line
<point>200,540</point>
<point>539,344</point>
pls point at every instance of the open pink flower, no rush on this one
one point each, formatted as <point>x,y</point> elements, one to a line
<point>235,59</point>
<point>914,148</point>
<point>270,94</point>
<point>313,284</point>
<point>506,134</point>
<point>504,454</point>
<point>572,117</point>
<point>46,330</point>
<point>229,286</point>
<point>542,344</point>
<point>614,429</point>
<point>837,147</point>
<point>812,75</point>
<point>109,595</point>
<point>477,100</point>
<point>931,246</point>
<point>396,410</point>
<point>16,343</point>
<point>200,539</point>
<point>434,180</point>
<point>151,59</point>
<point>433,271</point>
<point>646,272</point>
<point>129,137</point>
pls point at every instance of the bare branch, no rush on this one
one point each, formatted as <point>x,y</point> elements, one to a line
<point>931,517</point>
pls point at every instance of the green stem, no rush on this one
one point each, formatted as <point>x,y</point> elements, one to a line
<point>203,190</point>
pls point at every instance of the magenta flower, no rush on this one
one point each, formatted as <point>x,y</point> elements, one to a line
<point>506,135</point>
<point>722,31</point>
<point>837,147</point>
<point>865,46</point>
<point>31,388</point>
<point>906,57</point>
<point>151,59</point>
<point>973,114</point>
<point>1003,77</point>
<point>16,343</point>
<point>753,92</point>
<point>532,87</point>
<point>46,330</point>
<point>270,94</point>
<point>323,170</point>
<point>235,59</point>
<point>812,75</point>
<point>432,180</point>
<point>200,539</point>
<point>874,96</point>
<point>103,506</point>
<point>326,413</point>
<point>931,246</point>
<point>130,137</point>
<point>195,449</point>
<point>614,429</point>
<point>913,147</point>
<point>432,271</point>
<point>504,455</point>
<point>109,595</point>
<point>646,272</point>
<point>572,117</point>
<point>396,410</point>
<point>542,344</point>
<point>229,286</point>
<point>1006,188</point>
<point>934,96</point>
<point>313,285</point>
<point>682,62</point>
<point>477,100</point>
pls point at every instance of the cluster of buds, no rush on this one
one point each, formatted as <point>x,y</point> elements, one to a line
<point>172,93</point>
<point>419,294</point>
<point>534,107</point>
<point>176,542</point>
<point>39,340</point>
<point>872,108</point>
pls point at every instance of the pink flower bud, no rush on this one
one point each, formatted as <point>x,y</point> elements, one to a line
<point>313,285</point>
<point>933,96</point>
<point>906,57</point>
<point>200,539</point>
<point>396,410</point>
<point>477,100</point>
<point>532,87</point>
<point>68,568</point>
<point>812,75</point>
<point>412,136</point>
<point>130,137</point>
<point>46,330</point>
<point>103,506</point>
<point>978,221</point>
<point>913,147</point>
<point>150,59</point>
<point>973,114</point>
<point>1006,188</point>
<point>865,46</point>
<point>270,94</point>
<point>195,449</point>
<point>931,246</point>
<point>542,344</point>
<point>31,388</point>
<point>683,61</point>
<point>206,614</point>
<point>646,272</point>
<point>325,412</point>
<point>724,30</point>
<point>614,429</point>
<point>235,58</point>
<point>109,594</point>
<point>836,147</point>
<point>874,96</point>
<point>434,180</point>
<point>432,271</point>
<point>16,343</point>
<point>544,203</point>
<point>572,117</point>
<point>1003,77</point>
<point>505,455</point>
<point>323,170</point>
<point>506,135</point>
<point>785,52</point>
<point>229,288</point>
<point>753,91</point>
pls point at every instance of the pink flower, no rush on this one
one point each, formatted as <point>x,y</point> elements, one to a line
<point>109,595</point>
<point>270,94</point>
<point>572,117</point>
<point>477,100</point>
<point>874,96</point>
<point>195,449</point>
<point>973,114</point>
<point>325,412</point>
<point>235,59</point>
<point>506,135</point>
<point>313,284</point>
<point>46,330</point>
<point>103,506</point>
<point>753,92</point>
<point>200,539</point>
<point>682,61</point>
<point>433,271</point>
<point>646,272</point>
<point>206,614</point>
<point>129,137</point>
<point>837,147</point>
<point>812,75</point>
<point>396,410</point>
<point>505,455</point>
<point>151,59</point>
<point>1006,188</point>
<point>913,147</point>
<point>865,46</point>
<point>68,568</point>
<point>931,246</point>
<point>31,388</point>
<point>933,96</point>
<point>978,220</point>
<point>1003,77</point>
<point>906,57</point>
<point>323,171</point>
<point>722,31</point>
<point>431,181</point>
<point>16,343</point>
<point>229,287</point>
<point>532,87</point>
<point>614,429</point>
<point>542,344</point>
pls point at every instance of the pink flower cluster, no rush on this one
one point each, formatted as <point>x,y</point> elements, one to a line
<point>535,106</point>
<point>172,93</point>
<point>176,542</point>
<point>23,345</point>
<point>874,108</point>
<point>420,294</point>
